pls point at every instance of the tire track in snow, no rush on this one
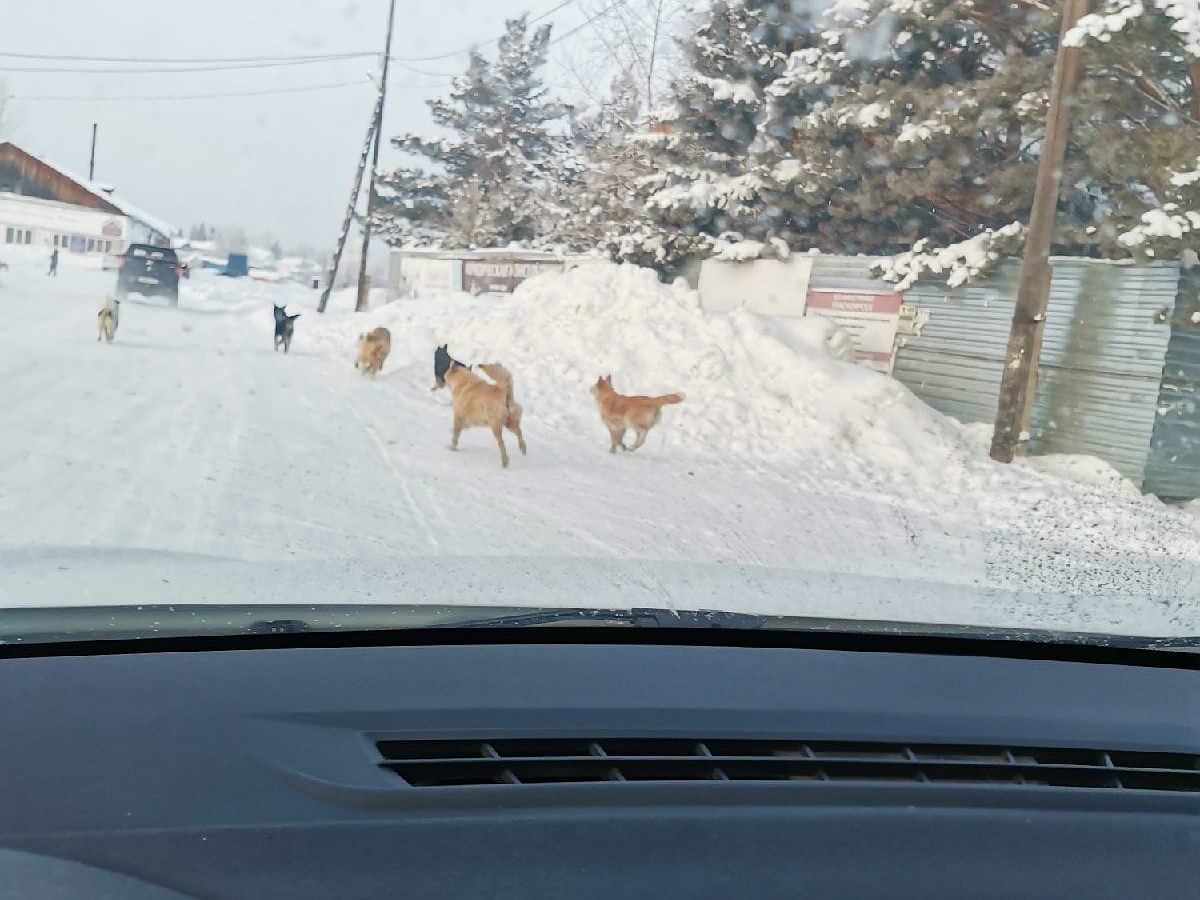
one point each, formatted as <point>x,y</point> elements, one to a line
<point>401,479</point>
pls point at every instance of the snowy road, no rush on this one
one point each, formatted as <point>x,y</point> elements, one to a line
<point>189,462</point>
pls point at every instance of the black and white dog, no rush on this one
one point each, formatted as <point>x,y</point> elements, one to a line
<point>285,326</point>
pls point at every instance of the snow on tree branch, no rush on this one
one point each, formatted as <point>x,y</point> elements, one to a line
<point>1167,222</point>
<point>711,192</point>
<point>723,89</point>
<point>961,263</point>
<point>733,248</point>
<point>1117,15</point>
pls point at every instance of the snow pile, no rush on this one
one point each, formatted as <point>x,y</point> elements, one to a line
<point>1087,472</point>
<point>756,386</point>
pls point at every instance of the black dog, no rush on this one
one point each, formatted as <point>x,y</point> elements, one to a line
<point>442,360</point>
<point>285,326</point>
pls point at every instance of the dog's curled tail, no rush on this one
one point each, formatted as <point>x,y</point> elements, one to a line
<point>502,377</point>
<point>668,399</point>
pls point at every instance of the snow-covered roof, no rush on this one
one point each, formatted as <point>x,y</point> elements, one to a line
<point>162,226</point>
<point>102,192</point>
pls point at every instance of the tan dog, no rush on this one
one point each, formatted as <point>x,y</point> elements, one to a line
<point>373,350</point>
<point>108,319</point>
<point>620,413</point>
<point>479,403</point>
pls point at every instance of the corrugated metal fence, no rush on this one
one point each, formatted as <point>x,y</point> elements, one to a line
<point>1102,363</point>
<point>1173,468</point>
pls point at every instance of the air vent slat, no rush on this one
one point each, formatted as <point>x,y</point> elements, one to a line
<point>458,762</point>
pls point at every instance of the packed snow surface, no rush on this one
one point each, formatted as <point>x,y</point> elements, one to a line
<point>188,462</point>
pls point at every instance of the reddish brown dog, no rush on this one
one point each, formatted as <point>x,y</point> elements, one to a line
<point>620,413</point>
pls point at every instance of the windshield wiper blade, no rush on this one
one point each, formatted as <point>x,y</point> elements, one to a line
<point>635,618</point>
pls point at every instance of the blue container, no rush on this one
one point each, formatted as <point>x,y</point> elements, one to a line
<point>238,266</point>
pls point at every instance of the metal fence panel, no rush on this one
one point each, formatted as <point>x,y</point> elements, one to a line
<point>1173,467</point>
<point>1103,349</point>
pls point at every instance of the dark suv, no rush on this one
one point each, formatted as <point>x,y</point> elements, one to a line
<point>148,270</point>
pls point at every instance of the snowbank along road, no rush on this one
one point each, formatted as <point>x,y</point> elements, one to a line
<point>188,461</point>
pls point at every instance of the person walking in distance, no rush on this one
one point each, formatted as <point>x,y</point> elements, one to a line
<point>53,263</point>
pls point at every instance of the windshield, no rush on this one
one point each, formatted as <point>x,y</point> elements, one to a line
<point>879,312</point>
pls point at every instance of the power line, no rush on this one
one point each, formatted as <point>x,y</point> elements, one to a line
<point>424,72</point>
<point>223,64</point>
<point>215,96</point>
<point>236,63</point>
<point>402,61</point>
<point>58,57</point>
<point>589,22</point>
<point>456,53</point>
<point>144,70</point>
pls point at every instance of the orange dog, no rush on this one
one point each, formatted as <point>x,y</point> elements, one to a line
<point>479,403</point>
<point>373,350</point>
<point>620,413</point>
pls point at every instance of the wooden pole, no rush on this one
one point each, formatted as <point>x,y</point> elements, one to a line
<point>1018,386</point>
<point>336,261</point>
<point>372,196</point>
<point>92,160</point>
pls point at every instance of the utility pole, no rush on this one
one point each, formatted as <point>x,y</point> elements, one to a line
<point>92,160</point>
<point>336,261</point>
<point>1018,385</point>
<point>363,283</point>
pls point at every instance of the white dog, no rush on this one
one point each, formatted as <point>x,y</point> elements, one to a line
<point>108,319</point>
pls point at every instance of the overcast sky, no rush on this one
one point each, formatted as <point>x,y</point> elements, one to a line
<point>277,162</point>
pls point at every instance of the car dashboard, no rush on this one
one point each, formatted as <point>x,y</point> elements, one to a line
<point>592,763</point>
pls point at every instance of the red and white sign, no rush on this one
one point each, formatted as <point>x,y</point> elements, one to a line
<point>871,320</point>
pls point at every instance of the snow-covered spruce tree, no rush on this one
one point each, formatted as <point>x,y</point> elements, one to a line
<point>1131,181</point>
<point>600,189</point>
<point>908,127</point>
<point>1137,129</point>
<point>931,113</point>
<point>871,126</point>
<point>712,177</point>
<point>484,184</point>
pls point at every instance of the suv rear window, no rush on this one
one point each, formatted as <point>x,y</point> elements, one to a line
<point>153,253</point>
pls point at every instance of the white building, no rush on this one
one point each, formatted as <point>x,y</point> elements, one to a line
<point>43,205</point>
